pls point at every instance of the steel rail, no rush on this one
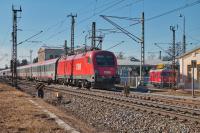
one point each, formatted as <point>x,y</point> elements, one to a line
<point>134,105</point>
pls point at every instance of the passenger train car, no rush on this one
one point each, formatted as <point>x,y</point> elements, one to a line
<point>44,71</point>
<point>90,69</point>
<point>5,73</point>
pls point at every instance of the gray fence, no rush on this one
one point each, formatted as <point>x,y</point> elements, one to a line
<point>132,81</point>
<point>181,84</point>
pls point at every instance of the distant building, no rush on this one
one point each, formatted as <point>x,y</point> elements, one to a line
<point>186,68</point>
<point>131,66</point>
<point>46,53</point>
<point>129,69</point>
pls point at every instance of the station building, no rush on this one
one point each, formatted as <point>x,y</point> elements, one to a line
<point>46,53</point>
<point>186,69</point>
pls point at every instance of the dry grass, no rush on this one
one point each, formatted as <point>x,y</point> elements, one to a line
<point>18,115</point>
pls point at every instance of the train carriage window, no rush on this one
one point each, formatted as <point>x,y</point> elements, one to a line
<point>165,74</point>
<point>48,68</point>
<point>51,67</point>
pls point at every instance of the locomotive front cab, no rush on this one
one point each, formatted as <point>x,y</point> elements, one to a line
<point>105,68</point>
<point>168,78</point>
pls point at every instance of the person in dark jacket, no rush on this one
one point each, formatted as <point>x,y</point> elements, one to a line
<point>40,90</point>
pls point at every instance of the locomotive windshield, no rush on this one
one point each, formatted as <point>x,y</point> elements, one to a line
<point>105,60</point>
<point>168,74</point>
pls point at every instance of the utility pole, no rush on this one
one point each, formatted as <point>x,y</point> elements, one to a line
<point>72,31</point>
<point>93,35</point>
<point>100,40</point>
<point>96,38</point>
<point>142,51</point>
<point>31,51</point>
<point>184,36</point>
<point>139,40</point>
<point>194,65</point>
<point>160,55</point>
<point>86,42</point>
<point>173,29</point>
<point>14,47</point>
<point>65,47</point>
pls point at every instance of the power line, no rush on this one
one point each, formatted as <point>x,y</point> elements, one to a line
<point>174,10</point>
<point>171,11</point>
<point>107,8</point>
<point>83,20</point>
<point>132,36</point>
<point>127,5</point>
<point>54,35</point>
<point>30,38</point>
<point>60,23</point>
<point>116,45</point>
<point>124,18</point>
<point>99,7</point>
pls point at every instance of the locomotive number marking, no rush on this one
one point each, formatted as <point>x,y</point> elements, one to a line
<point>78,66</point>
<point>107,72</point>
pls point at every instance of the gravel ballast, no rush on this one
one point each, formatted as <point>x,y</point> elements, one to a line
<point>105,117</point>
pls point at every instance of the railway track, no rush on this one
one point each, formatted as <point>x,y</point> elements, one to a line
<point>139,103</point>
<point>183,113</point>
<point>162,99</point>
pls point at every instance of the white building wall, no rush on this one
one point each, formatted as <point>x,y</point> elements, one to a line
<point>184,61</point>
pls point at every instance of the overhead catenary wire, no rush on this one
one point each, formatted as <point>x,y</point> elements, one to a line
<point>156,44</point>
<point>107,8</point>
<point>133,2</point>
<point>160,15</point>
<point>115,45</point>
<point>173,10</point>
<point>30,38</point>
<point>135,38</point>
<point>127,5</point>
<point>83,20</point>
<point>118,2</point>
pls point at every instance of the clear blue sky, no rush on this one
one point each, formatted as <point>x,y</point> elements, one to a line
<point>51,17</point>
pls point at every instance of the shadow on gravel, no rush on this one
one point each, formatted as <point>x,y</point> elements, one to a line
<point>142,89</point>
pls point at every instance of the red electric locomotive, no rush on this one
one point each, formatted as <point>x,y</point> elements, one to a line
<point>162,77</point>
<point>91,69</point>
